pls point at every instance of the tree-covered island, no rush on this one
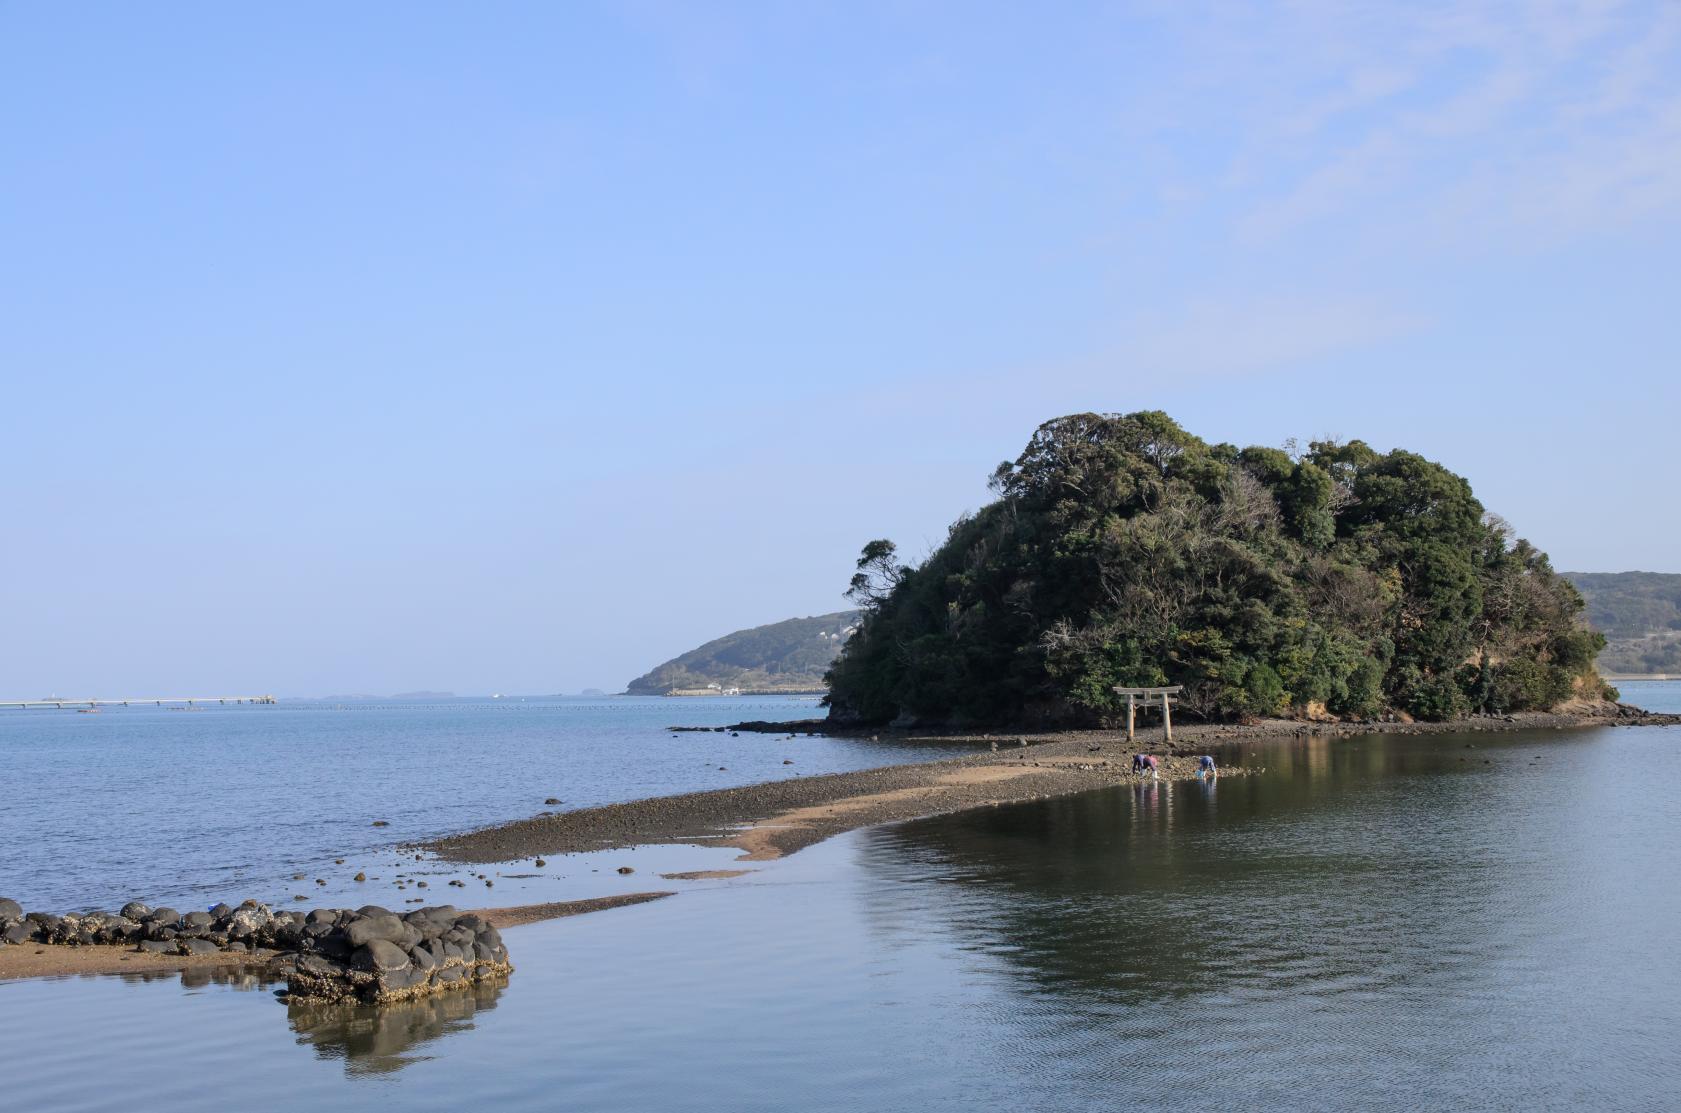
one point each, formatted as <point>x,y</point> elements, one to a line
<point>1332,582</point>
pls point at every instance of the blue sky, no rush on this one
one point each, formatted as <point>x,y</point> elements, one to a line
<point>518,347</point>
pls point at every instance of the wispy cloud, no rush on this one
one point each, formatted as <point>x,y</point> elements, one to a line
<point>1451,123</point>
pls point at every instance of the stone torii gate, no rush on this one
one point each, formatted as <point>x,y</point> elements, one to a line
<point>1168,696</point>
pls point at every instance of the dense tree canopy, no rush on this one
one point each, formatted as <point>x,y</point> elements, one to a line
<point>1123,550</point>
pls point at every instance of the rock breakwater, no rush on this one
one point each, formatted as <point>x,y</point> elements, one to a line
<point>370,954</point>
<point>375,956</point>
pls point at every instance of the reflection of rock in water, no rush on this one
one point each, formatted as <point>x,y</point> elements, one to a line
<point>243,978</point>
<point>373,1039</point>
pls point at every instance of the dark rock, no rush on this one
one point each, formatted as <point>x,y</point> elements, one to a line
<point>134,910</point>
<point>449,974</point>
<point>166,916</point>
<point>334,946</point>
<point>551,800</point>
<point>373,910</point>
<point>360,877</point>
<point>21,932</point>
<point>626,869</point>
<point>10,911</point>
<point>157,946</point>
<point>381,823</point>
<point>221,911</point>
<point>380,956</point>
<point>198,921</point>
<point>197,947</point>
<point>237,948</point>
<point>406,978</point>
<point>423,958</point>
<point>321,966</point>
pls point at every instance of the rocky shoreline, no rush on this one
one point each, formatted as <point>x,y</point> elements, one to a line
<point>370,954</point>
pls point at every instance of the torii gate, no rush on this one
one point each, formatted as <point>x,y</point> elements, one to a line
<point>1168,697</point>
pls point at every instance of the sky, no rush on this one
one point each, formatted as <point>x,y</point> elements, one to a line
<point>516,348</point>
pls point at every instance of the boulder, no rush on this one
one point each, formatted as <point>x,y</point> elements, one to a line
<point>21,932</point>
<point>320,966</point>
<point>10,912</point>
<point>158,946</point>
<point>407,978</point>
<point>380,956</point>
<point>247,922</point>
<point>387,928</point>
<point>197,947</point>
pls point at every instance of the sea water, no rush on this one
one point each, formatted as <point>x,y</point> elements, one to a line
<point>188,808</point>
<point>1474,920</point>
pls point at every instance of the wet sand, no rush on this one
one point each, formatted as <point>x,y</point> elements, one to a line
<point>505,918</point>
<point>767,821</point>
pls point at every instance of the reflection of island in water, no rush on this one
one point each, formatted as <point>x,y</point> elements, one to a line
<point>1342,865</point>
<point>370,1040</point>
<point>375,1039</point>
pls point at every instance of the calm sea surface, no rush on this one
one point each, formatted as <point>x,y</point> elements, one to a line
<point>1460,922</point>
<point>192,807</point>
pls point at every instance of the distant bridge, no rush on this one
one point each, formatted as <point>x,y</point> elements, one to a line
<point>151,701</point>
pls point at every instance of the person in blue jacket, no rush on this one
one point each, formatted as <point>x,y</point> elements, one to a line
<point>1205,767</point>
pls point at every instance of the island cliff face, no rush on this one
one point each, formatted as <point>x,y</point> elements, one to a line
<point>1335,582</point>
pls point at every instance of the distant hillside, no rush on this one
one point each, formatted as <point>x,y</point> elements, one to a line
<point>784,656</point>
<point>1640,615</point>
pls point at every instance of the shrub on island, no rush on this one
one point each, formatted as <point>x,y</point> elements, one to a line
<point>1333,581</point>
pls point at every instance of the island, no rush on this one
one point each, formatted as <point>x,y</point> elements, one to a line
<point>1329,582</point>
